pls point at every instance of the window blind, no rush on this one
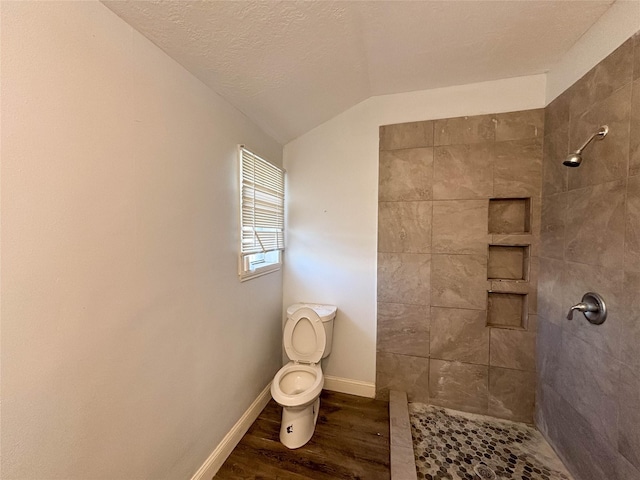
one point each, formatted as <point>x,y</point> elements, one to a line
<point>262,204</point>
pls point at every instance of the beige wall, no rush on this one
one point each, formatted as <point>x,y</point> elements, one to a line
<point>589,375</point>
<point>456,317</point>
<point>129,348</point>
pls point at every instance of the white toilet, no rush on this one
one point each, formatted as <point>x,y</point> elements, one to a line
<point>307,339</point>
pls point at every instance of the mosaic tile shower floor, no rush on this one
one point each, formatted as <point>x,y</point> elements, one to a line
<point>449,444</point>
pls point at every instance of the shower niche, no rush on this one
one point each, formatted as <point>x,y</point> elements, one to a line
<point>508,262</point>
<point>510,216</point>
<point>507,309</point>
<point>508,265</point>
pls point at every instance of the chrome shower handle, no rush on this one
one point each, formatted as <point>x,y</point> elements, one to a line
<point>593,308</point>
<point>582,307</point>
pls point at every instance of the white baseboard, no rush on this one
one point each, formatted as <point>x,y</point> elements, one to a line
<point>352,387</point>
<point>212,464</point>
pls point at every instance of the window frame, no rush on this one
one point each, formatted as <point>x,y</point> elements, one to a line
<point>245,272</point>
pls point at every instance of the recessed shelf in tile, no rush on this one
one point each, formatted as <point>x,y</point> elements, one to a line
<point>508,262</point>
<point>507,310</point>
<point>509,215</point>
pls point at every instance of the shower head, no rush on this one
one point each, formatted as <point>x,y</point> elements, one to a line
<point>575,158</point>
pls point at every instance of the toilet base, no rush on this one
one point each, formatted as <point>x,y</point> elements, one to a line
<point>298,424</point>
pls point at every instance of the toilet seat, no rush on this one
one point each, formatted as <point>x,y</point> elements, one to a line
<point>303,398</point>
<point>304,341</point>
<point>304,336</point>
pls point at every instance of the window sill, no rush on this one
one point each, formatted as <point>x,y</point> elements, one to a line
<point>259,272</point>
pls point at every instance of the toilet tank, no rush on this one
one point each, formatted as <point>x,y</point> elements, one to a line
<point>327,314</point>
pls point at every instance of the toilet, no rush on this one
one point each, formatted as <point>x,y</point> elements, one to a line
<point>307,339</point>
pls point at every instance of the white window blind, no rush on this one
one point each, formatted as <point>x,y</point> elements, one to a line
<point>262,205</point>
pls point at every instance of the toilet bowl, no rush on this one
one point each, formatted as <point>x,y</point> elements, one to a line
<point>297,386</point>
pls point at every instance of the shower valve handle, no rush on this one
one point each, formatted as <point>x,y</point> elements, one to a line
<point>593,308</point>
<point>582,307</point>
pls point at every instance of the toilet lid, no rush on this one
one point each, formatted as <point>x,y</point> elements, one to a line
<point>304,336</point>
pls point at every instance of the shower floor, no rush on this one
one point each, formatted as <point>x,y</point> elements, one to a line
<point>449,444</point>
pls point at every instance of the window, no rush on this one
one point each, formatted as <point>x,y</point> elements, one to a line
<point>261,215</point>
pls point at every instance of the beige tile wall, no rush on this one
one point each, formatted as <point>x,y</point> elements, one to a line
<point>588,375</point>
<point>435,185</point>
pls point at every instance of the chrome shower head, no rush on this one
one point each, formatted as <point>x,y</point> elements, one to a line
<point>574,159</point>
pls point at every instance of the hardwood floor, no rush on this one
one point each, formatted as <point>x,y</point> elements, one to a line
<point>351,441</point>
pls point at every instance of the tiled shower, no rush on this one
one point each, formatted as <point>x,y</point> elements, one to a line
<point>477,218</point>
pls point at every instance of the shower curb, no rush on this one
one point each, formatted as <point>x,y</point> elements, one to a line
<point>403,465</point>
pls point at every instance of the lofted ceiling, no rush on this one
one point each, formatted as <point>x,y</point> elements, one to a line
<point>291,65</point>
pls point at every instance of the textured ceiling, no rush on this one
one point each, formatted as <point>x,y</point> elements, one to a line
<point>291,65</point>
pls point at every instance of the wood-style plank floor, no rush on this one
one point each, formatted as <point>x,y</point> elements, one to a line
<point>351,441</point>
